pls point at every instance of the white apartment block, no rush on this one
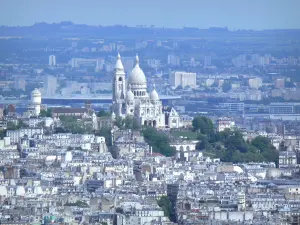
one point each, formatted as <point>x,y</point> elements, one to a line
<point>184,79</point>
<point>52,60</point>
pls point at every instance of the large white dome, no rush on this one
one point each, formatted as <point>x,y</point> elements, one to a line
<point>137,77</point>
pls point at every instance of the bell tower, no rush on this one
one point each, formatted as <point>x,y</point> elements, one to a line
<point>119,88</point>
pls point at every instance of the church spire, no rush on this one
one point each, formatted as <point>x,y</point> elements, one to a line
<point>137,61</point>
<point>119,65</point>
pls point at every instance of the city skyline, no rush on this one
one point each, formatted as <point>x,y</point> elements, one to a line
<point>255,15</point>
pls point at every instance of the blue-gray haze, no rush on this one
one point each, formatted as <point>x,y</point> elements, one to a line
<point>234,14</point>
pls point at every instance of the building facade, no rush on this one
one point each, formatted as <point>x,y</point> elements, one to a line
<point>52,60</point>
<point>183,79</point>
<point>131,97</point>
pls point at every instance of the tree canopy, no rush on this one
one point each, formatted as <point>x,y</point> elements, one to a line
<point>226,86</point>
<point>46,113</point>
<point>159,141</point>
<point>103,113</point>
<point>203,125</point>
<point>230,146</point>
<point>75,126</point>
<point>106,133</point>
<point>166,206</point>
<point>129,122</point>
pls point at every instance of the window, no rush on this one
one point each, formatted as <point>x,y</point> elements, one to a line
<point>120,79</point>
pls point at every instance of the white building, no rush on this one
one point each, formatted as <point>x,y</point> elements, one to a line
<point>287,159</point>
<point>52,60</point>
<point>77,62</point>
<point>173,60</point>
<point>36,101</point>
<point>49,85</point>
<point>15,135</point>
<point>130,98</point>
<point>184,79</point>
<point>225,123</point>
<point>34,108</point>
<point>207,60</point>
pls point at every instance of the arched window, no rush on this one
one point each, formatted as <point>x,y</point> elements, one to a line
<point>181,148</point>
<point>148,111</point>
<point>120,79</point>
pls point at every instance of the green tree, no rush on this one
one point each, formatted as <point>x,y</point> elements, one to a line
<point>46,113</point>
<point>106,133</point>
<point>166,206</point>
<point>226,86</point>
<point>159,141</point>
<point>103,113</point>
<point>236,142</point>
<point>131,123</point>
<point>261,143</point>
<point>203,143</point>
<point>2,134</point>
<point>203,125</point>
<point>119,122</point>
<point>11,126</point>
<point>266,148</point>
<point>76,126</point>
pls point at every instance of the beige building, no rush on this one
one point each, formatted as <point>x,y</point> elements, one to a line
<point>255,83</point>
<point>177,78</point>
<point>279,83</point>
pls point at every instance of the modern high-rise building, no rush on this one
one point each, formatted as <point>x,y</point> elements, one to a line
<point>20,83</point>
<point>184,79</point>
<point>207,60</point>
<point>50,85</point>
<point>173,60</point>
<point>52,60</point>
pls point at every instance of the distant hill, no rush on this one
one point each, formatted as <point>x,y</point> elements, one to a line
<point>69,29</point>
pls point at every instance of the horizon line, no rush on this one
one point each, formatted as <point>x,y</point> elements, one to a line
<point>148,26</point>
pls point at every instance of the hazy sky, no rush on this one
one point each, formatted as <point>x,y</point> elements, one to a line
<point>235,14</point>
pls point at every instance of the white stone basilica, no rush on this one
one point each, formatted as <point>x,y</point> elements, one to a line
<point>130,98</point>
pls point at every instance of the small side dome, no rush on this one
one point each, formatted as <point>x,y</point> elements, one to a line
<point>36,92</point>
<point>153,95</point>
<point>130,96</point>
<point>119,65</point>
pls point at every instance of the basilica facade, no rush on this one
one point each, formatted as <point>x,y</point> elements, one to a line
<point>131,98</point>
